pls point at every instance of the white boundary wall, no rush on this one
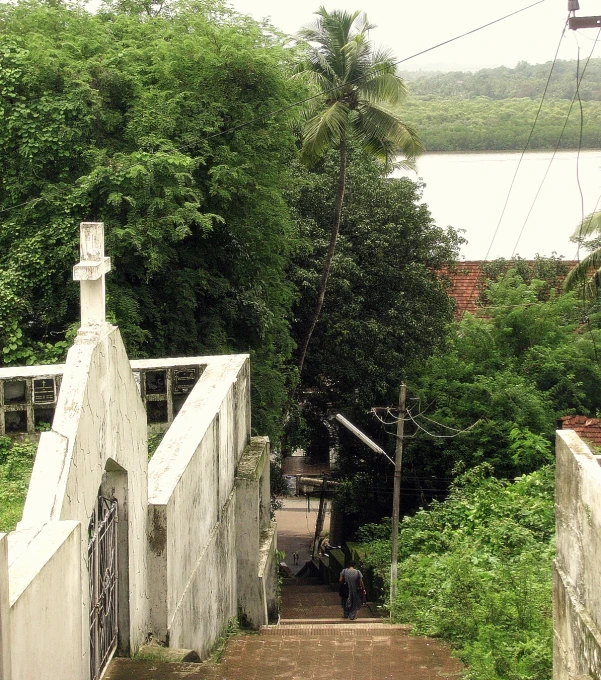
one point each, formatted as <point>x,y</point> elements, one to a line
<point>98,437</point>
<point>45,604</point>
<point>577,568</point>
<point>192,520</point>
<point>196,543</point>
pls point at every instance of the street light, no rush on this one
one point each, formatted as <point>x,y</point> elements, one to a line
<point>396,494</point>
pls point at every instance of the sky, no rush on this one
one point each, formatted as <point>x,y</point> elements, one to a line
<point>533,36</point>
<point>410,27</point>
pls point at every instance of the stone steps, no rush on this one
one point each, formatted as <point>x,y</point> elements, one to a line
<point>334,627</point>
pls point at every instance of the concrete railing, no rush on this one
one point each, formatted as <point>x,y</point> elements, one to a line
<point>192,506</point>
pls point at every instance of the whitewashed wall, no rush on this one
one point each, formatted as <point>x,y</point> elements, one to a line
<point>98,436</point>
<point>577,568</point>
<point>256,539</point>
<point>5,660</point>
<point>192,521</point>
<point>45,624</point>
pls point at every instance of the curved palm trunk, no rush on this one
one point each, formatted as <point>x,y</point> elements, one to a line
<point>329,257</point>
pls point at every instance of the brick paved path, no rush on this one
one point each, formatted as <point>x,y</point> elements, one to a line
<point>317,648</point>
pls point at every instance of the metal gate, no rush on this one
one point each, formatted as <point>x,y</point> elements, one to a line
<point>102,565</point>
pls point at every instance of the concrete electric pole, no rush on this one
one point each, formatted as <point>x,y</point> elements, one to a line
<point>396,497</point>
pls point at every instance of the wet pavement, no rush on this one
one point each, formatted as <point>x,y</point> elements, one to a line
<point>312,641</point>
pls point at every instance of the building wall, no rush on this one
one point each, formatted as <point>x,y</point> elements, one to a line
<point>192,520</point>
<point>577,568</point>
<point>182,532</point>
<point>45,622</point>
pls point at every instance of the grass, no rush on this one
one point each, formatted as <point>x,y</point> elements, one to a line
<point>16,463</point>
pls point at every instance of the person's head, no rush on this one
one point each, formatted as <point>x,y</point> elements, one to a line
<point>352,564</point>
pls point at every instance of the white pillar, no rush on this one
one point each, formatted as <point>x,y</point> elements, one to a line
<point>90,271</point>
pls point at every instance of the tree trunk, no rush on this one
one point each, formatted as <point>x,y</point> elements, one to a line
<point>329,256</point>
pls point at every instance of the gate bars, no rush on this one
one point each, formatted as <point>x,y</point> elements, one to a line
<point>102,565</point>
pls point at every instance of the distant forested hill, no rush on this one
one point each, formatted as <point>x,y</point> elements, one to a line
<point>494,109</point>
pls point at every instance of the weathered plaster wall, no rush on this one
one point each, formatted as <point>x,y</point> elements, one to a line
<point>191,508</point>
<point>98,437</point>
<point>5,662</point>
<point>577,568</point>
<point>45,603</point>
<point>255,537</point>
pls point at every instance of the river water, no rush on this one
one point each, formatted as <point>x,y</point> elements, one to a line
<point>469,191</point>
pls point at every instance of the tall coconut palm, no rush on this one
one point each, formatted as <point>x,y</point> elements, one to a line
<point>588,271</point>
<point>360,98</point>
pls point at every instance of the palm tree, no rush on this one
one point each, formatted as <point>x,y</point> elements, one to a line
<point>589,228</point>
<point>360,93</point>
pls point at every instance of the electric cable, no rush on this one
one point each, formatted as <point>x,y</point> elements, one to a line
<point>420,415</point>
<point>584,287</point>
<point>522,155</point>
<point>445,436</point>
<point>288,107</point>
<point>557,145</point>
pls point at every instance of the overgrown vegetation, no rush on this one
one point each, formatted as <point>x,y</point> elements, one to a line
<point>16,463</point>
<point>144,119</point>
<point>476,557</point>
<point>494,109</point>
<point>476,570</point>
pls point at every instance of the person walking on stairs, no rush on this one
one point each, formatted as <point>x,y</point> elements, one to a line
<point>351,587</point>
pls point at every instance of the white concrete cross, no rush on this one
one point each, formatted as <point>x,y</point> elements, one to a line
<point>90,272</point>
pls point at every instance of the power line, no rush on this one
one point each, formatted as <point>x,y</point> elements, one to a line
<point>494,236</point>
<point>444,436</point>
<point>435,422</point>
<point>579,80</point>
<point>284,109</point>
<point>584,288</point>
<point>528,140</point>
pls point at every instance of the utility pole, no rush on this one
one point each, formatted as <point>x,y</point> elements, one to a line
<point>396,500</point>
<point>576,23</point>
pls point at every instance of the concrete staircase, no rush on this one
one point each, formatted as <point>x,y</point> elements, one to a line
<point>315,602</point>
<point>312,641</point>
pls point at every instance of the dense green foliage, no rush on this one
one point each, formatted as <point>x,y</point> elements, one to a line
<point>144,122</point>
<point>483,124</point>
<point>495,109</point>
<point>491,392</point>
<point>525,80</point>
<point>385,307</point>
<point>515,371</point>
<point>476,570</point>
<point>16,462</point>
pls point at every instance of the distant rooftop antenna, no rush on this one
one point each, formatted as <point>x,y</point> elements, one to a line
<point>575,22</point>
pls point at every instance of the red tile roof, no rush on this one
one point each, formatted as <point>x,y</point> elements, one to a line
<point>587,428</point>
<point>467,283</point>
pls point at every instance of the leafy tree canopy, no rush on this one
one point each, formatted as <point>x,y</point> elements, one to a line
<point>386,309</point>
<point>143,119</point>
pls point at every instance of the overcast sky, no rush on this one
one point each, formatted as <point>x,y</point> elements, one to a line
<point>410,27</point>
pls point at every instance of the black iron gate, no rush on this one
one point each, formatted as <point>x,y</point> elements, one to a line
<point>102,565</point>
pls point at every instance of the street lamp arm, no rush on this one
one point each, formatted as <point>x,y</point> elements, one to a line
<point>363,437</point>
